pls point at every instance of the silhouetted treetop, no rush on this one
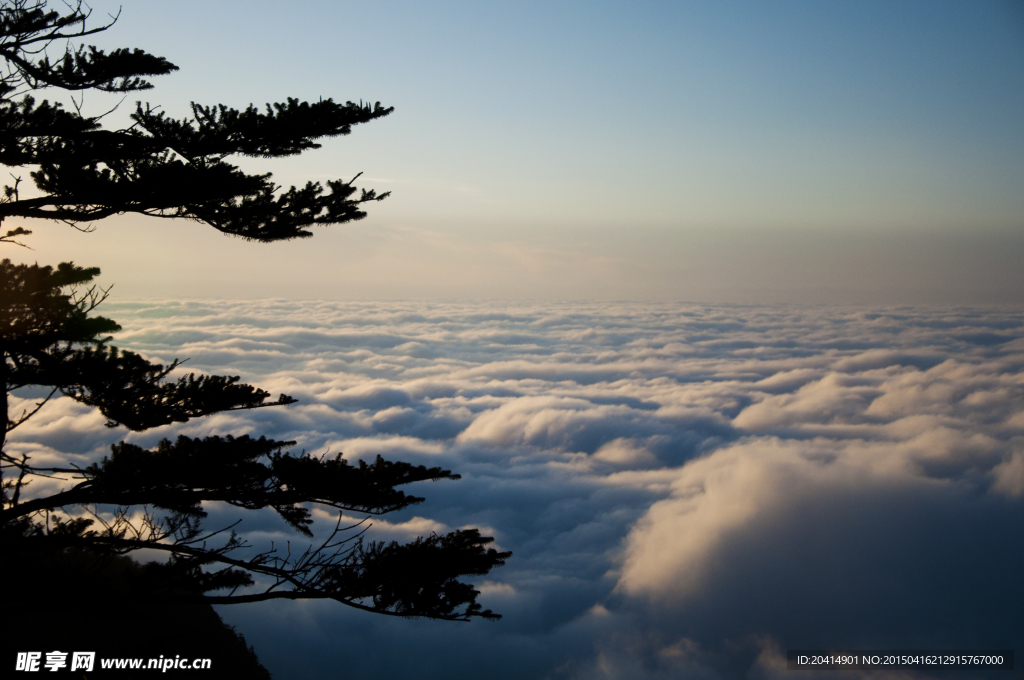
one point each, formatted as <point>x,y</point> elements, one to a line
<point>28,27</point>
<point>158,166</point>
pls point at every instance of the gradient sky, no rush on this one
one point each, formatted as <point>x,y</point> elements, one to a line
<point>747,152</point>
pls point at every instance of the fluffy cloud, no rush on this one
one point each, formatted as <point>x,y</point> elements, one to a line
<point>688,490</point>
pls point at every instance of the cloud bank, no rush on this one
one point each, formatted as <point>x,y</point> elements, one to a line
<point>688,490</point>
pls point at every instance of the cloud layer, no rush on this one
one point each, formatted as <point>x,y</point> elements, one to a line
<point>688,490</point>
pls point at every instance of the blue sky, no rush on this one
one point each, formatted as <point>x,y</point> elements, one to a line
<point>745,152</point>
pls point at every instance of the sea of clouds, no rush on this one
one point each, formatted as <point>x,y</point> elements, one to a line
<point>688,490</point>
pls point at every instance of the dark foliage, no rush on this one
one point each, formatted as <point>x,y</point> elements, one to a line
<point>152,499</point>
<point>158,166</point>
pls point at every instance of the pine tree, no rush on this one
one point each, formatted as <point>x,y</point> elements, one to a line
<point>51,338</point>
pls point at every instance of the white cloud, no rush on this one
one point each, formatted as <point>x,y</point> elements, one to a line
<point>657,469</point>
<point>624,452</point>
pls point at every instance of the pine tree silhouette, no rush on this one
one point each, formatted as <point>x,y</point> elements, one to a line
<point>151,499</point>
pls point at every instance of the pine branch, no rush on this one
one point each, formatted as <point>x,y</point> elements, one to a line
<point>245,472</point>
<point>171,168</point>
<point>418,579</point>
